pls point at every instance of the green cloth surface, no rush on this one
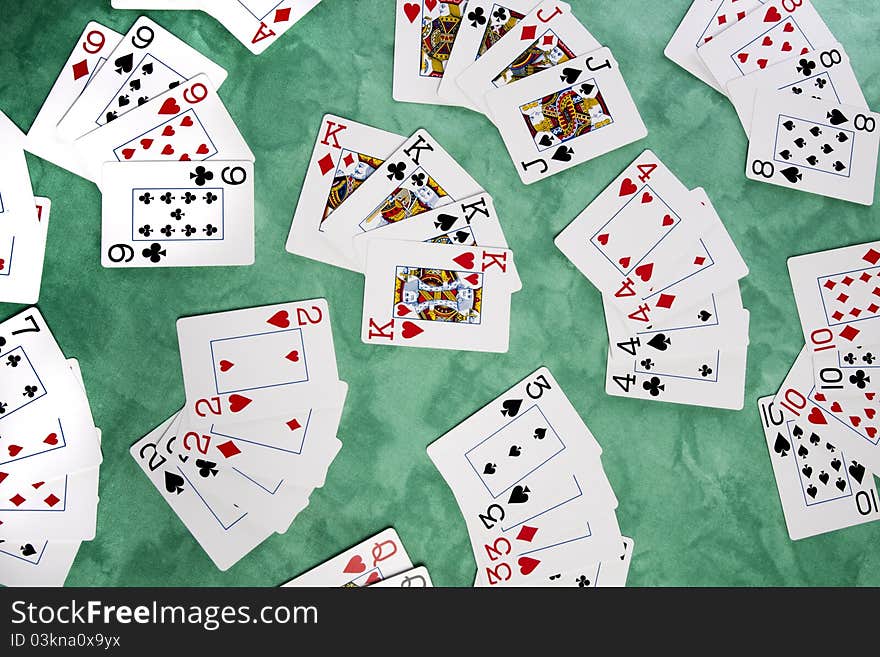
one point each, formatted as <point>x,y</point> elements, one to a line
<point>695,485</point>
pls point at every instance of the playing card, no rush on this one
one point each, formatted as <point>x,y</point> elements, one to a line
<point>821,487</point>
<point>297,448</point>
<point>709,262</point>
<point>837,296</point>
<point>371,561</point>
<point>617,240</point>
<point>549,35</point>
<point>769,34</point>
<point>853,417</point>
<point>526,474</point>
<point>718,319</point>
<point>188,122</point>
<point>226,485</point>
<point>665,368</point>
<point>565,115</point>
<point>226,539</point>
<point>17,210</point>
<point>89,54</point>
<point>148,61</point>
<point>46,428</point>
<point>820,74</point>
<point>346,154</point>
<point>417,577</point>
<point>418,177</point>
<point>63,508</point>
<point>254,363</point>
<point>13,137</point>
<point>484,23</point>
<point>705,20</point>
<point>22,251</point>
<point>567,536</point>
<point>816,146</point>
<point>177,214</point>
<point>847,373</point>
<point>36,562</point>
<point>472,221</point>
<point>258,23</point>
<point>439,296</point>
<point>609,573</point>
<point>424,32</point>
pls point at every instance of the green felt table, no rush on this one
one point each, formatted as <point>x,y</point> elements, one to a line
<point>695,485</point>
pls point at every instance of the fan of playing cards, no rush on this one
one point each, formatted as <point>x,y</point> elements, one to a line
<point>527,475</point>
<point>668,272</point>
<point>423,232</point>
<point>135,114</point>
<point>50,451</point>
<point>793,88</point>
<point>555,94</point>
<point>823,426</point>
<point>258,432</point>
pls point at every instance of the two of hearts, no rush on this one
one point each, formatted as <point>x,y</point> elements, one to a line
<point>14,450</point>
<point>226,365</point>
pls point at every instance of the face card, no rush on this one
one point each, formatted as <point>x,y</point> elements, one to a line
<point>483,25</point>
<point>418,577</point>
<point>177,214</point>
<point>666,369</point>
<point>88,55</point>
<point>853,418</point>
<point>148,61</point>
<point>705,20</point>
<point>418,177</point>
<point>36,562</point>
<point>719,318</point>
<point>565,115</point>
<point>548,36</point>
<point>838,297</point>
<point>768,35</point>
<point>225,539</point>
<point>815,146</point>
<point>186,123</point>
<point>377,558</point>
<point>472,221</point>
<point>423,36</point>
<point>617,240</point>
<point>439,296</point>
<point>247,364</point>
<point>46,428</point>
<point>822,489</point>
<point>21,256</point>
<point>820,74</point>
<point>346,154</point>
<point>64,508</point>
<point>258,23</point>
